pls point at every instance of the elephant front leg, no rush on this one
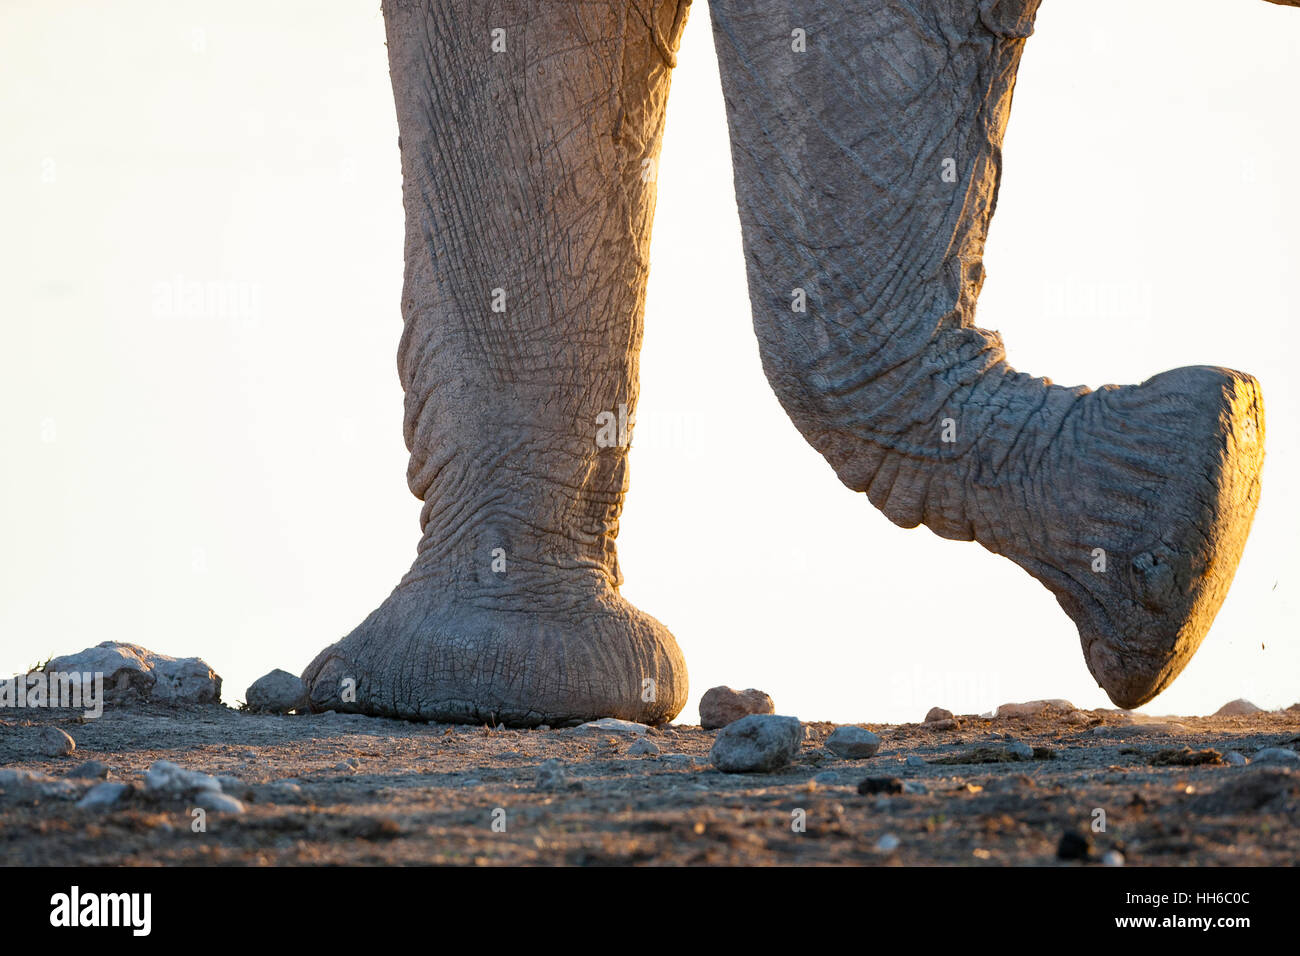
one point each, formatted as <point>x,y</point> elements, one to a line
<point>529,133</point>
<point>866,139</point>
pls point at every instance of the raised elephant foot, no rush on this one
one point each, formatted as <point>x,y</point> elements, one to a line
<point>1147,497</point>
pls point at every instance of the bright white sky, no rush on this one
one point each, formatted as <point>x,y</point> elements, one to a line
<point>227,480</point>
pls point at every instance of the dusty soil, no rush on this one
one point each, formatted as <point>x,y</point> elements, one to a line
<point>420,794</point>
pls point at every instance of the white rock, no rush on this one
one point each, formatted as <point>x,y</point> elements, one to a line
<point>104,795</point>
<point>757,743</point>
<point>1234,759</point>
<point>852,743</point>
<point>276,693</point>
<point>184,680</point>
<point>1112,858</point>
<point>915,761</point>
<point>30,783</point>
<point>217,802</point>
<point>888,843</point>
<point>612,725</point>
<point>22,778</point>
<point>1033,707</point>
<point>1021,749</point>
<point>131,670</point>
<point>914,787</point>
<point>1276,756</point>
<point>166,777</point>
<point>646,747</point>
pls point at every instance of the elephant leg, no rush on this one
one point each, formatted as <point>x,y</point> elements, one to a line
<point>866,139</point>
<point>528,135</point>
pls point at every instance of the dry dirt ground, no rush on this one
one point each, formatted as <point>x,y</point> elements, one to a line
<point>375,791</point>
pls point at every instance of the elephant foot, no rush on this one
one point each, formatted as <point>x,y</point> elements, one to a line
<point>1152,490</point>
<point>423,656</point>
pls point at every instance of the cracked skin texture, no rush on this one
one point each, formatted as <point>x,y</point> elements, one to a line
<point>522,171</point>
<point>839,156</point>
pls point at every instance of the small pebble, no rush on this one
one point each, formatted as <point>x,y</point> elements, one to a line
<point>217,802</point>
<point>550,774</point>
<point>104,795</point>
<point>914,787</point>
<point>54,742</point>
<point>888,843</point>
<point>163,776</point>
<point>12,777</point>
<point>1113,858</point>
<point>90,770</point>
<point>852,743</point>
<point>1021,749</point>
<point>915,761</point>
<point>1032,708</point>
<point>1234,759</point>
<point>643,747</point>
<point>611,725</point>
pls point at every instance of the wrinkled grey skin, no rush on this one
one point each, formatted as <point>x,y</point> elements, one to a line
<point>525,171</point>
<point>522,171</point>
<point>839,156</point>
